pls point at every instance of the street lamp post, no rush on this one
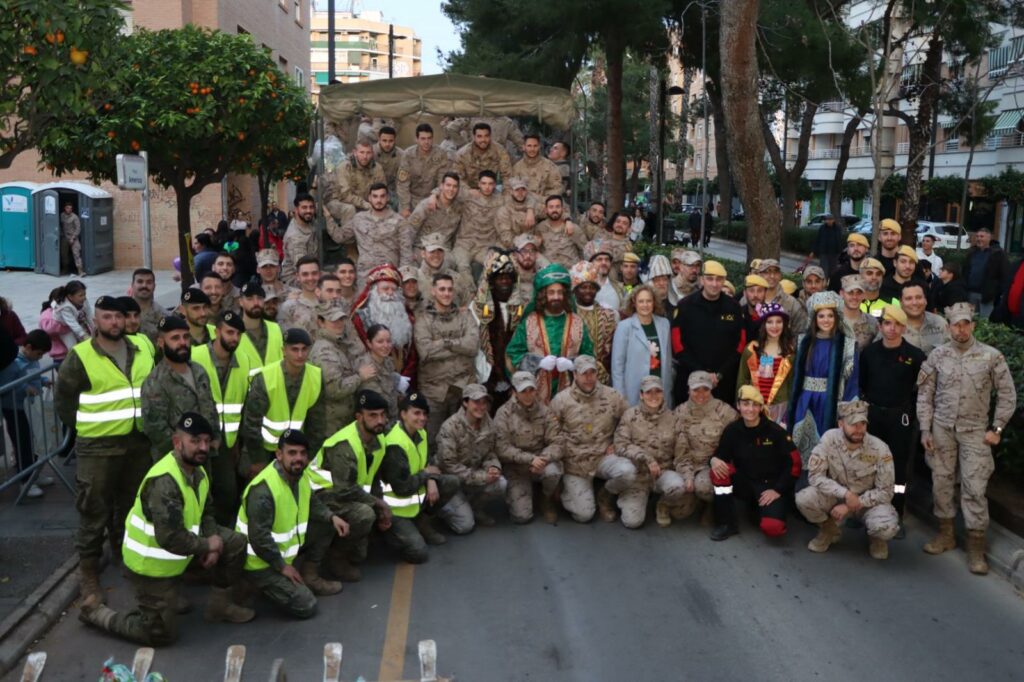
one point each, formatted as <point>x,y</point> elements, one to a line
<point>663,94</point>
<point>704,93</point>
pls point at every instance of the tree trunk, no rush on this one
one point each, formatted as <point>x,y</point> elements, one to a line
<point>263,182</point>
<point>920,139</point>
<point>967,182</point>
<point>615,51</point>
<point>789,178</point>
<point>721,154</point>
<point>654,165</point>
<point>684,124</point>
<point>183,200</point>
<point>738,55</point>
<point>634,178</point>
<point>835,200</point>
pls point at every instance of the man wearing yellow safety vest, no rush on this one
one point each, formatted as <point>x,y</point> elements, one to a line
<point>342,474</point>
<point>169,527</point>
<point>278,510</point>
<point>263,340</point>
<point>99,394</point>
<point>228,371</point>
<point>195,308</point>
<point>283,395</point>
<point>873,272</point>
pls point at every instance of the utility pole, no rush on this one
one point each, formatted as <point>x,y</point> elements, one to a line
<point>331,72</point>
<point>391,50</point>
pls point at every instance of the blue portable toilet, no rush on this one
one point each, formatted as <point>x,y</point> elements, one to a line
<point>17,225</point>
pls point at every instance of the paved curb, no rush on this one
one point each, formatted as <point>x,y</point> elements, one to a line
<point>37,613</point>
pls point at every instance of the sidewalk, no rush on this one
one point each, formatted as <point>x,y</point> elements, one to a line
<point>737,251</point>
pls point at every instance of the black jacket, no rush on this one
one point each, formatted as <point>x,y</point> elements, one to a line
<point>829,240</point>
<point>946,295</point>
<point>997,273</point>
<point>709,336</point>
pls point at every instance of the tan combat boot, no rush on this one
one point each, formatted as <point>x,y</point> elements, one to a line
<point>976,562</point>
<point>221,609</point>
<point>663,514</point>
<point>425,525</point>
<point>879,548</point>
<point>828,535</point>
<point>944,541</point>
<point>318,585</point>
<point>707,517</point>
<point>343,569</point>
<point>606,506</point>
<point>684,509</point>
<point>89,581</point>
<point>549,509</point>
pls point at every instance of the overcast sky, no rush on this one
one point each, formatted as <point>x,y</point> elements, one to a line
<point>425,16</point>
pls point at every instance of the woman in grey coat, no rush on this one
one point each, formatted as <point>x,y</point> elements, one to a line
<point>641,345</point>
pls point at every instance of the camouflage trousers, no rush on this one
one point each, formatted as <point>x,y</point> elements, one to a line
<point>106,488</point>
<point>223,487</point>
<point>297,601</point>
<point>881,521</point>
<point>578,491</point>
<point>404,537</point>
<point>458,513</point>
<point>470,259</point>
<point>154,620</point>
<point>519,494</point>
<point>968,450</point>
<point>74,244</point>
<point>322,537</point>
<point>633,502</point>
<point>444,401</point>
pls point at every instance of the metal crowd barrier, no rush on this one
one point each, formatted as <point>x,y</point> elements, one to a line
<point>48,439</point>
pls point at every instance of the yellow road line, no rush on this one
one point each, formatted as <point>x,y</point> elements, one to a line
<point>392,660</point>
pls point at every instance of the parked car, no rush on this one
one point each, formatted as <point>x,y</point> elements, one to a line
<point>862,226</point>
<point>818,220</point>
<point>945,234</point>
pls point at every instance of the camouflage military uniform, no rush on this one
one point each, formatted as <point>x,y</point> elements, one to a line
<point>478,231</point>
<point>468,453</point>
<point>149,318</point>
<point>933,333</point>
<point>645,436</point>
<point>463,281</point>
<point>297,600</point>
<point>257,402</point>
<point>419,174</point>
<point>349,187</point>
<point>469,161</point>
<point>168,394</point>
<point>953,397</point>
<point>680,288</point>
<point>524,433</point>
<point>586,426</point>
<point>341,378</point>
<point>864,329</point>
<point>380,239</point>
<point>71,229</point>
<point>541,176</point>
<point>615,246</point>
<point>591,230</point>
<point>446,345</point>
<point>511,216</point>
<point>699,429</point>
<point>600,323</point>
<point>389,162</point>
<point>798,320</point>
<point>558,246</point>
<point>385,383</point>
<point>867,471</point>
<point>300,239</point>
<point>298,312</point>
<point>443,220</point>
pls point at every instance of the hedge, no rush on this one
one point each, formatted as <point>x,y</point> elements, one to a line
<point>1010,451</point>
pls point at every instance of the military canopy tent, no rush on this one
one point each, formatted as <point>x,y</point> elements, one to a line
<point>446,95</point>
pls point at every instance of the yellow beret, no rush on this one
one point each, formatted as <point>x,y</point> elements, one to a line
<point>871,264</point>
<point>889,225</point>
<point>713,267</point>
<point>750,393</point>
<point>894,313</point>
<point>907,251</point>
<point>755,281</point>
<point>730,287</point>
<point>857,238</point>
<point>789,286</point>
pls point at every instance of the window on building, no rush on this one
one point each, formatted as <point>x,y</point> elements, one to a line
<point>300,77</point>
<point>283,63</point>
<point>297,11</point>
<point>952,139</point>
<point>283,4</point>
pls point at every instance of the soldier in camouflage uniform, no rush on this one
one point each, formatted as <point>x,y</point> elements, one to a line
<point>560,240</point>
<point>150,314</point>
<point>482,154</point>
<point>529,261</point>
<point>587,414</point>
<point>300,309</point>
<point>851,475</point>
<point>686,280</point>
<point>440,213</point>
<point>518,213</point>
<point>420,170</point>
<point>195,308</point>
<point>269,564</point>
<point>953,405</point>
<point>161,504</point>
<point>467,447</point>
<point>925,330</point>
<point>528,450</point>
<point>71,230</point>
<point>349,186</point>
<point>300,239</point>
<point>541,175</point>
<point>700,422</point>
<point>478,231</point>
<point>331,354</point>
<point>857,323</point>
<point>175,386</point>
<point>434,260</point>
<point>380,234</point>
<point>388,157</point>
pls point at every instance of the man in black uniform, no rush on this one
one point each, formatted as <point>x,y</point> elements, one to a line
<point>708,335</point>
<point>888,383</point>
<point>757,462</point>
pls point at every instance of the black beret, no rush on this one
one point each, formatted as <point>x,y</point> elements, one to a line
<point>414,400</point>
<point>129,304</point>
<point>232,319</point>
<point>253,289</point>
<point>297,335</point>
<point>170,323</point>
<point>108,303</point>
<point>370,400</point>
<point>195,296</point>
<point>293,437</point>
<point>195,424</point>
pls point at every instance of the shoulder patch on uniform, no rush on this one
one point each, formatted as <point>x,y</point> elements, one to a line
<point>403,175</point>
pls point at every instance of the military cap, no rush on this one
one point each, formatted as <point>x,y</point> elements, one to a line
<point>650,383</point>
<point>700,379</point>
<point>194,296</point>
<point>408,273</point>
<point>194,424</point>
<point>853,411</point>
<point>332,312</point>
<point>889,225</point>
<point>959,312</point>
<point>417,400</point>
<point>108,303</point>
<point>474,392</point>
<point>297,335</point>
<point>253,289</point>
<point>677,254</point>
<point>434,241</point>
<point>814,271</point>
<point>690,258</point>
<point>267,257</point>
<point>517,183</point>
<point>231,319</point>
<point>750,393</point>
<point>858,238</point>
<point>713,267</point>
<point>129,304</point>
<point>584,363</point>
<point>894,313</point>
<point>766,264</point>
<point>523,380</point>
<point>170,323</point>
<point>871,264</point>
<point>526,239</point>
<point>630,257</point>
<point>755,281</point>
<point>370,400</point>
<point>851,282</point>
<point>729,288</point>
<point>907,251</point>
<point>292,437</point>
<point>272,296</point>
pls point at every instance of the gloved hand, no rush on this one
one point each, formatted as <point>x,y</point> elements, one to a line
<point>403,384</point>
<point>548,362</point>
<point>564,364</point>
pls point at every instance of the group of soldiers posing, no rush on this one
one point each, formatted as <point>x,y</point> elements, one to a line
<point>401,393</point>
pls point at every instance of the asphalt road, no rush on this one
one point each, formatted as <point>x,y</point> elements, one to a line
<point>738,252</point>
<point>599,602</point>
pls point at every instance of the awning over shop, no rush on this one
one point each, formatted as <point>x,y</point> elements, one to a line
<point>1007,122</point>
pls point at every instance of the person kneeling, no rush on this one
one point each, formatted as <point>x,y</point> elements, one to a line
<point>757,462</point>
<point>850,473</point>
<point>170,526</point>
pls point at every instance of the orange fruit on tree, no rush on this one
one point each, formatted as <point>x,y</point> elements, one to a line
<point>30,50</point>
<point>111,134</point>
<point>60,37</point>
<point>136,146</point>
<point>79,57</point>
<point>50,38</point>
<point>241,136</point>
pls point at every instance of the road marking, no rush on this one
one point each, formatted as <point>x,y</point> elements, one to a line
<point>392,661</point>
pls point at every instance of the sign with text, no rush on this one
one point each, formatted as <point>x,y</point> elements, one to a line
<point>132,171</point>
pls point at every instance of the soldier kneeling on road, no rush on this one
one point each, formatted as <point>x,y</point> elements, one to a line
<point>851,474</point>
<point>171,525</point>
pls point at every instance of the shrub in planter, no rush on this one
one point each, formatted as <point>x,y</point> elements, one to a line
<point>1010,451</point>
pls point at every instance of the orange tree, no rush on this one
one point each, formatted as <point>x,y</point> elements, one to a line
<point>52,61</point>
<point>201,103</point>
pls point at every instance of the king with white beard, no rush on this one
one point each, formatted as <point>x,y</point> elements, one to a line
<point>381,302</point>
